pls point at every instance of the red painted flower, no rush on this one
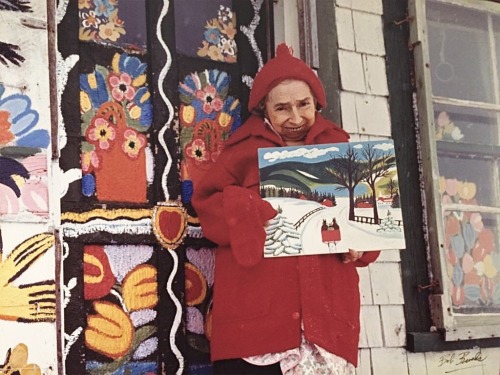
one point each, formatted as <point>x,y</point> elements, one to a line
<point>89,160</point>
<point>197,150</point>
<point>97,275</point>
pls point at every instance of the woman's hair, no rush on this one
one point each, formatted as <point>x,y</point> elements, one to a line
<point>260,108</point>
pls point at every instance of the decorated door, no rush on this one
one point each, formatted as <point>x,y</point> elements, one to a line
<point>148,93</point>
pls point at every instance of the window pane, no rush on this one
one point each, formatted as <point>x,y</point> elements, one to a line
<point>460,53</point>
<point>473,261</point>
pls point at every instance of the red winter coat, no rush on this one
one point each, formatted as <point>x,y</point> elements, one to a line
<point>259,303</point>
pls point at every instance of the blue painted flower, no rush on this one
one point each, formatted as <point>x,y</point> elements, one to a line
<point>93,86</point>
<point>212,35</point>
<point>129,64</point>
<point>143,107</point>
<point>103,8</point>
<point>17,123</point>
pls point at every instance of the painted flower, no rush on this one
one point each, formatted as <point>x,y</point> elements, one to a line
<point>132,66</point>
<point>121,86</point>
<point>224,14</point>
<point>109,31</point>
<point>84,4</point>
<point>103,7</point>
<point>109,331</point>
<point>134,143</point>
<point>89,161</point>
<point>197,151</point>
<point>227,46</point>
<point>93,86</point>
<point>141,107</point>
<point>6,134</point>
<point>100,133</point>
<point>17,123</point>
<point>97,275</point>
<point>230,114</point>
<point>212,34</point>
<point>16,362</point>
<point>187,114</point>
<point>195,285</point>
<point>215,53</point>
<point>229,30</point>
<point>211,101</point>
<point>140,288</point>
<point>89,19</point>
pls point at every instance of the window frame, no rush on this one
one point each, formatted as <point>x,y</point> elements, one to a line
<point>454,326</point>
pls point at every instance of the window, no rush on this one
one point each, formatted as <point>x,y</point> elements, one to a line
<point>457,60</point>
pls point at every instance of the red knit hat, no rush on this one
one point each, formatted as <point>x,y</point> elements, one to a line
<point>282,67</point>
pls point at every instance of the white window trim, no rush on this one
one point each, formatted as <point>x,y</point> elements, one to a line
<point>455,326</point>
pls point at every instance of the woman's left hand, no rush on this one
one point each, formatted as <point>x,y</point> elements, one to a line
<point>351,256</point>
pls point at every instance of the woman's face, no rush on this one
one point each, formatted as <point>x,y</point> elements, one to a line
<point>291,109</point>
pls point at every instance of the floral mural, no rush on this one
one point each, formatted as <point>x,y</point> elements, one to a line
<point>207,115</point>
<point>473,259</point>
<point>23,158</point>
<point>99,20</point>
<point>219,43</point>
<point>116,115</point>
<point>121,294</point>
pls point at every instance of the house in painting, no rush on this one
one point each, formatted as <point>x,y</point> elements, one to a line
<point>111,111</point>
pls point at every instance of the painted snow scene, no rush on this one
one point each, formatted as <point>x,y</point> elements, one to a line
<point>331,198</point>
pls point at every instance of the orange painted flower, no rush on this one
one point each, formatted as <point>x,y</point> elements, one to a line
<point>6,134</point>
<point>196,286</point>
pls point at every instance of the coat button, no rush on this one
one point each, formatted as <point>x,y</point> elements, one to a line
<point>296,315</point>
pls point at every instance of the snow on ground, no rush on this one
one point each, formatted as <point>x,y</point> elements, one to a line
<point>357,236</point>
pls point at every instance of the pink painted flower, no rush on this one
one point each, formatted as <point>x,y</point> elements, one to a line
<point>134,143</point>
<point>198,151</point>
<point>452,186</point>
<point>89,160</point>
<point>100,133</point>
<point>211,102</point>
<point>121,86</point>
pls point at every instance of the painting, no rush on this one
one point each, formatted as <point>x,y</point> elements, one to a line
<point>27,299</point>
<point>208,29</point>
<point>120,23</point>
<point>116,115</point>
<point>331,198</point>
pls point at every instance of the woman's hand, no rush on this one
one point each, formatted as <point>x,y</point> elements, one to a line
<point>351,256</point>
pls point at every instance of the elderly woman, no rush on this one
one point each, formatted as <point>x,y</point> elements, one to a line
<point>291,315</point>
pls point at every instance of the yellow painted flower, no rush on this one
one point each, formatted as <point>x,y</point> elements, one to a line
<point>466,190</point>
<point>109,331</point>
<point>140,288</point>
<point>108,31</point>
<point>490,270</point>
<point>17,362</point>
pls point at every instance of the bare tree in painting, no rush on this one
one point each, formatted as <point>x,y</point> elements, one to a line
<point>347,172</point>
<point>391,187</point>
<point>378,164</point>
